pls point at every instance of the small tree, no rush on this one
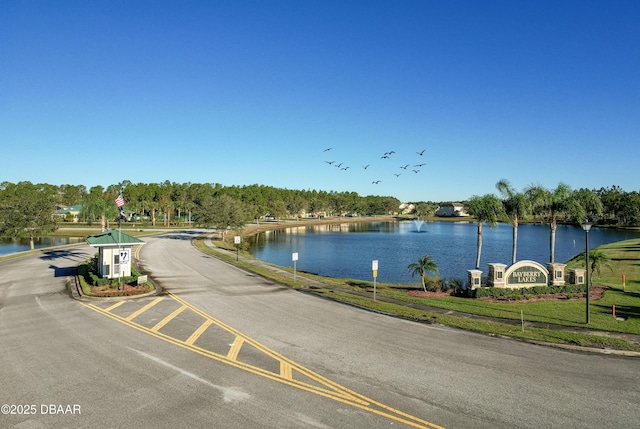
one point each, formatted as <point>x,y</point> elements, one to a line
<point>597,259</point>
<point>424,265</point>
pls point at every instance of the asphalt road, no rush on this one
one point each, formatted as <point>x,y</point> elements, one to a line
<point>225,348</point>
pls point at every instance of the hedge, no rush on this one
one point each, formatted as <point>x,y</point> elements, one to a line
<point>519,293</point>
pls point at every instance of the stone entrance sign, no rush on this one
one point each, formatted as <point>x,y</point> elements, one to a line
<point>527,274</point>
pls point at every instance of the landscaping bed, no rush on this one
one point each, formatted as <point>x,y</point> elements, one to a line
<point>122,290</point>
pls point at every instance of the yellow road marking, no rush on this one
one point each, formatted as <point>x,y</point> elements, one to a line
<point>326,387</point>
<point>235,348</point>
<point>194,337</point>
<point>143,309</point>
<point>116,305</point>
<point>286,371</point>
<point>168,319</point>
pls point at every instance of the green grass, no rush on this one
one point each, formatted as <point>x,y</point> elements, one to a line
<point>570,313</point>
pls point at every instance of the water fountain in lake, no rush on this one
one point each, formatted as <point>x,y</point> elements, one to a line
<point>418,223</point>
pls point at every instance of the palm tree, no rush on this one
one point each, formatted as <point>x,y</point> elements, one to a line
<point>553,204</point>
<point>597,259</point>
<point>487,208</point>
<point>424,265</point>
<point>516,206</point>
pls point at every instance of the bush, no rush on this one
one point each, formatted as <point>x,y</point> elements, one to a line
<point>89,271</point>
<point>527,292</point>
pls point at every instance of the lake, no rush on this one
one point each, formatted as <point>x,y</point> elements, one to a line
<point>9,245</point>
<point>348,249</point>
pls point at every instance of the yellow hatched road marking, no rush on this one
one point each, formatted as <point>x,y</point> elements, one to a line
<point>327,388</point>
<point>194,337</point>
<point>168,319</point>
<point>286,371</point>
<point>235,348</point>
<point>116,305</point>
<point>143,309</point>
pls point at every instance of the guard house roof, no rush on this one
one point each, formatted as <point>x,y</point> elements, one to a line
<point>111,238</point>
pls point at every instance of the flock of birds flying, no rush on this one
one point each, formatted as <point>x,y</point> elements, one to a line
<point>415,168</point>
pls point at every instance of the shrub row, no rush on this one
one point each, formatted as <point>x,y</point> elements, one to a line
<point>519,293</point>
<point>89,271</point>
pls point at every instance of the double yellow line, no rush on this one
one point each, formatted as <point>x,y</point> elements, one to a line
<point>288,369</point>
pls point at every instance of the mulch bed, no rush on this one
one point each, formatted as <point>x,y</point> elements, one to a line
<point>125,290</point>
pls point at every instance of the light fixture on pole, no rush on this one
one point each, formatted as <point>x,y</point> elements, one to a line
<point>586,226</point>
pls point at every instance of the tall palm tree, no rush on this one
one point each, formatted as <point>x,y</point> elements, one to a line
<point>551,204</point>
<point>486,209</point>
<point>516,207</point>
<point>424,265</point>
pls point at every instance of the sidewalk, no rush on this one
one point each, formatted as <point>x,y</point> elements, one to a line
<point>314,284</point>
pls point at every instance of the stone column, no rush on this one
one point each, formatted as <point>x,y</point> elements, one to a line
<point>556,274</point>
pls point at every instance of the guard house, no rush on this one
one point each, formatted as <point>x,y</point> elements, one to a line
<point>114,252</point>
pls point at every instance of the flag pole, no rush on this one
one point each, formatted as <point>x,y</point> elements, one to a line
<point>120,204</point>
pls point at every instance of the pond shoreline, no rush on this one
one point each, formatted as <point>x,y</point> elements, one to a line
<point>253,229</point>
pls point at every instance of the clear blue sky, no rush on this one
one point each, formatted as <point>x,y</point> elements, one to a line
<point>242,92</point>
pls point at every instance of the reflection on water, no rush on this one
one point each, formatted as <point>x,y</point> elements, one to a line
<point>347,249</point>
<point>9,245</point>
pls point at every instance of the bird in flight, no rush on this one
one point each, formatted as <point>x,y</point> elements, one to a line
<point>375,182</point>
<point>385,156</point>
<point>404,167</point>
<point>397,175</point>
<point>345,168</point>
<point>328,149</point>
<point>329,162</point>
<point>366,166</point>
<point>421,152</point>
<point>419,165</point>
<point>415,171</point>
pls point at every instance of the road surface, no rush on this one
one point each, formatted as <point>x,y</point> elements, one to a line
<point>225,348</point>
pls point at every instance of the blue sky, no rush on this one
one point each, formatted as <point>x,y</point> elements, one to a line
<point>243,92</point>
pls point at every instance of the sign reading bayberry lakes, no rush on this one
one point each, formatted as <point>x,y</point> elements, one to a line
<point>527,273</point>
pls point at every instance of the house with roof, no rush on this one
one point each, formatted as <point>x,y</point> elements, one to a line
<point>115,251</point>
<point>451,210</point>
<point>69,213</point>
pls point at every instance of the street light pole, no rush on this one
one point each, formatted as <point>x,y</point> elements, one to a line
<point>587,227</point>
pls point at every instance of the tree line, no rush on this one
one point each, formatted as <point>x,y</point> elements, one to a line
<point>606,206</point>
<point>26,209</point>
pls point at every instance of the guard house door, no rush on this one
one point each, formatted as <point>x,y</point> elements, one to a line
<point>116,264</point>
<point>121,262</point>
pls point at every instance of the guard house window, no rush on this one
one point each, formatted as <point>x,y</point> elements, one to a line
<point>116,264</point>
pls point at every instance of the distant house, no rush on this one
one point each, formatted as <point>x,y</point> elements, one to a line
<point>407,208</point>
<point>451,210</point>
<point>69,213</point>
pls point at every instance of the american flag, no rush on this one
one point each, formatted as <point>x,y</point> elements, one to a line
<point>120,201</point>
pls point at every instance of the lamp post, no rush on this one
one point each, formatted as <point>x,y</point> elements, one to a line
<point>587,227</point>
